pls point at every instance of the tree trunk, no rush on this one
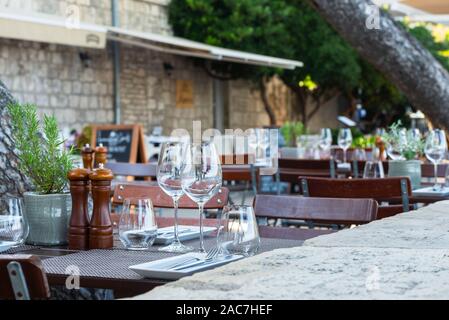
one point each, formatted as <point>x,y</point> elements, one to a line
<point>266,102</point>
<point>12,182</point>
<point>394,52</point>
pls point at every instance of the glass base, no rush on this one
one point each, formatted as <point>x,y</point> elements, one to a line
<point>176,247</point>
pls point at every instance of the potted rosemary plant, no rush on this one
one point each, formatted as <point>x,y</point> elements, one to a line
<point>43,158</point>
<point>404,149</point>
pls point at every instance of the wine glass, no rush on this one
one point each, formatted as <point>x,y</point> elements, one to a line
<point>373,169</point>
<point>325,141</point>
<point>238,231</point>
<point>13,225</point>
<point>435,149</point>
<point>169,170</point>
<point>201,177</point>
<point>344,141</point>
<point>137,226</point>
<point>396,147</point>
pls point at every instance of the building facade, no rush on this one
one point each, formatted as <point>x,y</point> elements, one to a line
<point>76,84</point>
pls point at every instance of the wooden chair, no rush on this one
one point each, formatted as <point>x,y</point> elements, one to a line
<point>392,190</point>
<point>325,210</point>
<point>22,277</point>
<point>427,170</point>
<point>161,200</point>
<point>135,170</point>
<point>291,169</point>
<point>240,168</point>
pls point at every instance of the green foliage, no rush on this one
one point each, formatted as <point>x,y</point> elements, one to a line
<point>42,156</point>
<point>292,29</point>
<point>281,28</point>
<point>291,131</point>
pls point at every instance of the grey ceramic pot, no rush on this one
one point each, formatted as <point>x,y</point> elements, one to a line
<point>409,168</point>
<point>48,218</point>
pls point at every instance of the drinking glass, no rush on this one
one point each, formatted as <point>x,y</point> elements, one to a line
<point>238,232</point>
<point>414,134</point>
<point>373,169</point>
<point>435,149</point>
<point>201,177</point>
<point>169,179</point>
<point>13,225</point>
<point>137,226</point>
<point>344,141</point>
<point>359,154</point>
<point>395,147</point>
<point>325,141</point>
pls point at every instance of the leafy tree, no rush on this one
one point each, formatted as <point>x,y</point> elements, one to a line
<point>282,28</point>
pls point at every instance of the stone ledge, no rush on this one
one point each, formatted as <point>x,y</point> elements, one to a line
<point>321,273</point>
<point>352,264</point>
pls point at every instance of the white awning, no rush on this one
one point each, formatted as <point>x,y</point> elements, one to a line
<point>50,29</point>
<point>185,47</point>
<point>42,29</point>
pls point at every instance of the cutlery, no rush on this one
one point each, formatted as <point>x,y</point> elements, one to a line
<point>211,256</point>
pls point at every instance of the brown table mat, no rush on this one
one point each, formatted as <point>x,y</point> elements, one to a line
<point>114,263</point>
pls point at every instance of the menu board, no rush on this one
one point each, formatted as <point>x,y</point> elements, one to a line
<point>125,143</point>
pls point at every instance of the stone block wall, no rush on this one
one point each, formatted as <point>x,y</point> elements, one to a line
<point>54,78</point>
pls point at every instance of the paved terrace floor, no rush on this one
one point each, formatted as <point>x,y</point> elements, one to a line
<point>403,257</point>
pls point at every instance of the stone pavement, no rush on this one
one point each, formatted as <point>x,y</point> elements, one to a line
<point>403,257</point>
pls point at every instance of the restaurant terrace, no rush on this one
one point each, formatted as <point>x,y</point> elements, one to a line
<point>224,151</point>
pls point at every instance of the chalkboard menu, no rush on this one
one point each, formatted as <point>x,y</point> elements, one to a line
<point>125,143</point>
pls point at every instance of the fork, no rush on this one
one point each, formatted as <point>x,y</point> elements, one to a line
<point>211,256</point>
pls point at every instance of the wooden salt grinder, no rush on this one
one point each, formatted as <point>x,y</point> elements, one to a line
<point>88,158</point>
<point>101,155</point>
<point>79,220</point>
<point>100,232</point>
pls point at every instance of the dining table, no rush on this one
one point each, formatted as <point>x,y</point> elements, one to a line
<point>109,268</point>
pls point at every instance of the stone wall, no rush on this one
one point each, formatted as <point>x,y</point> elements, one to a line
<point>149,91</point>
<point>54,78</point>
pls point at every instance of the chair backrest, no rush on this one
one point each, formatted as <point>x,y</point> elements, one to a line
<point>383,190</point>
<point>161,200</point>
<point>291,169</point>
<point>137,170</point>
<point>326,210</point>
<point>428,170</point>
<point>22,277</point>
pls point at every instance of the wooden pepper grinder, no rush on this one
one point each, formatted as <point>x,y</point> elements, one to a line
<point>79,220</point>
<point>101,155</point>
<point>88,158</point>
<point>100,232</point>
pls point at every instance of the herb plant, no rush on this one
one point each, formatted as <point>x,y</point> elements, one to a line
<point>42,155</point>
<point>403,142</point>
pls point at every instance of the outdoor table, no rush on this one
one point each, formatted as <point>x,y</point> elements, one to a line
<point>108,269</point>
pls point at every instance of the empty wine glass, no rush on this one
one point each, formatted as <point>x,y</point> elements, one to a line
<point>325,141</point>
<point>169,178</point>
<point>373,169</point>
<point>238,231</point>
<point>201,177</point>
<point>137,226</point>
<point>435,149</point>
<point>359,154</point>
<point>344,141</point>
<point>13,225</point>
<point>395,147</point>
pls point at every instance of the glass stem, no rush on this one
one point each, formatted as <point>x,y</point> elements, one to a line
<point>435,166</point>
<point>344,156</point>
<point>201,209</point>
<point>175,207</point>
